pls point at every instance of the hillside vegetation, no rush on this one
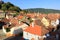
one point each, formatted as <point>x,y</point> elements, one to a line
<point>42,10</point>
<point>8,6</point>
<point>11,7</point>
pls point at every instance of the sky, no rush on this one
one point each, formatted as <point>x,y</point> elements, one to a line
<point>25,4</point>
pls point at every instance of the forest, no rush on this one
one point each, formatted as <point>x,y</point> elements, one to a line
<point>41,10</point>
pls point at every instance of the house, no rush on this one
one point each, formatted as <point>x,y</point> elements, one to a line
<point>15,25</point>
<point>14,21</point>
<point>5,20</point>
<point>41,16</point>
<point>45,22</point>
<point>37,30</point>
<point>55,24</point>
<point>54,19</point>
<point>14,29</point>
<point>34,32</point>
<point>19,17</point>
<point>30,15</point>
<point>2,15</point>
<point>52,16</point>
<point>9,16</point>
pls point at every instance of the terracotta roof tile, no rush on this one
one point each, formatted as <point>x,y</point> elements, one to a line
<point>19,17</point>
<point>53,16</point>
<point>38,29</point>
<point>14,21</point>
<point>42,15</point>
<point>30,15</point>
<point>34,30</point>
<point>5,20</point>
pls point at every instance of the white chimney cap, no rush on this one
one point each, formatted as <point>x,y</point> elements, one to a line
<point>32,24</point>
<point>33,19</point>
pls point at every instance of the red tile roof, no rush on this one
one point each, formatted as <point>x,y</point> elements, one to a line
<point>14,21</point>
<point>53,16</point>
<point>5,20</point>
<point>31,15</point>
<point>38,28</point>
<point>34,30</point>
<point>42,15</point>
<point>19,17</point>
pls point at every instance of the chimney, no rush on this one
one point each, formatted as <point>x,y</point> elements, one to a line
<point>19,21</point>
<point>7,16</point>
<point>10,22</point>
<point>33,23</point>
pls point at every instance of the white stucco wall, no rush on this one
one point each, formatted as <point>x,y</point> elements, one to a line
<point>7,17</point>
<point>55,23</point>
<point>45,22</point>
<point>29,36</point>
<point>4,30</point>
<point>25,35</point>
<point>16,30</point>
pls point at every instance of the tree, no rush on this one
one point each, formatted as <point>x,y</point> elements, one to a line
<point>0,6</point>
<point>9,5</point>
<point>24,12</point>
<point>11,8</point>
<point>17,9</point>
<point>4,7</point>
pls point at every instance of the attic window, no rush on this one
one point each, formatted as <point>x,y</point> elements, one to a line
<point>7,29</point>
<point>9,25</point>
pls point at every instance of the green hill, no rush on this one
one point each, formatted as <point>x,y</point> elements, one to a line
<point>42,10</point>
<point>8,6</point>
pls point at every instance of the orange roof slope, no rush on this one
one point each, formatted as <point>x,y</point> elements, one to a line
<point>42,15</point>
<point>34,30</point>
<point>19,17</point>
<point>30,15</point>
<point>53,16</point>
<point>14,21</point>
<point>37,30</point>
<point>5,20</point>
